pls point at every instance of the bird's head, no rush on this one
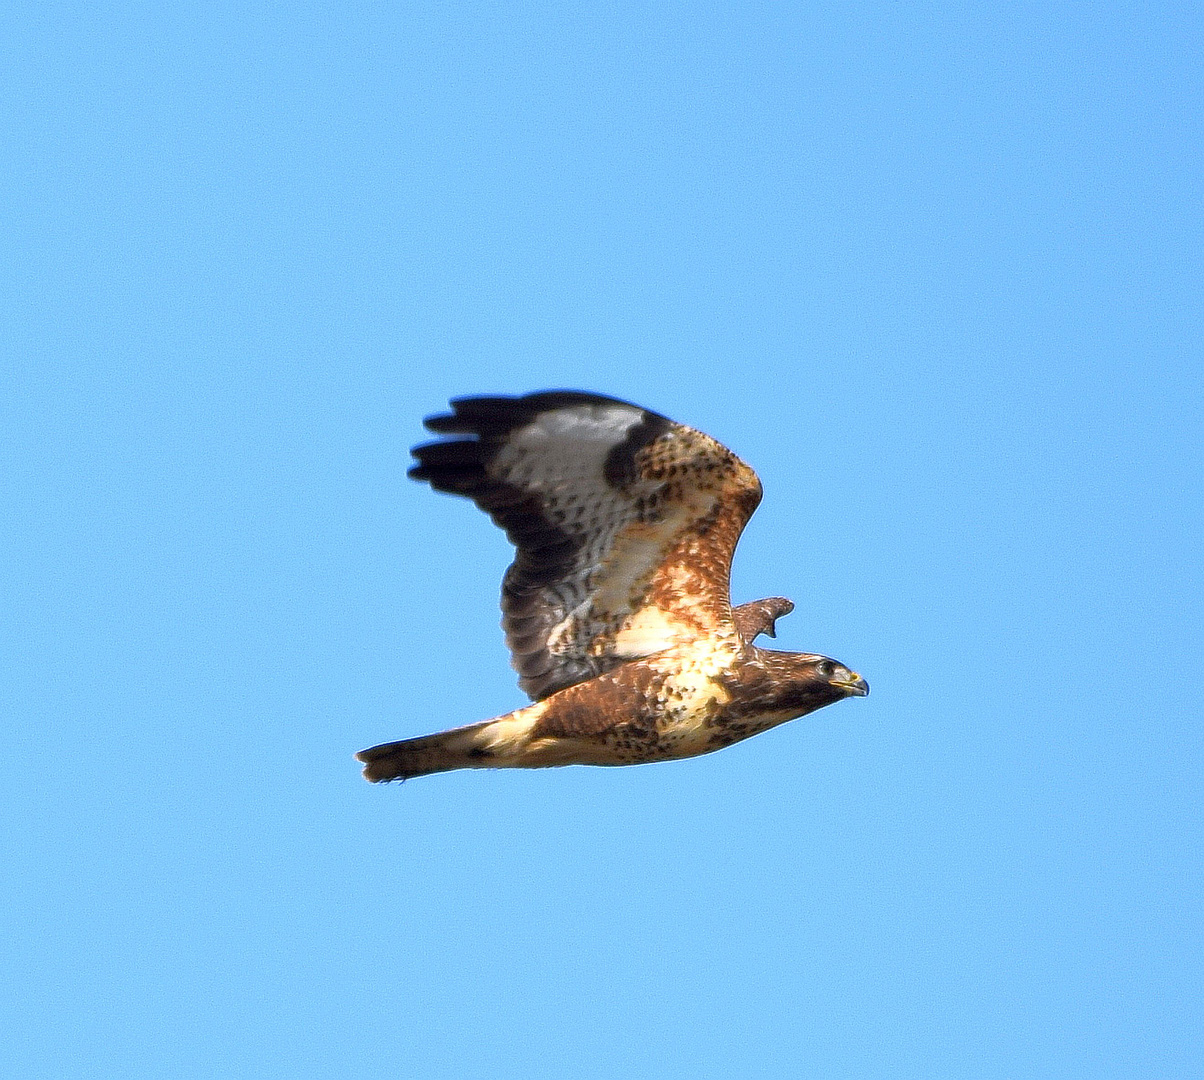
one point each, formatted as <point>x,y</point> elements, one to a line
<point>798,682</point>
<point>826,672</point>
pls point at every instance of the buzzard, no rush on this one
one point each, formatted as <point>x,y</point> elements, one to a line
<point>616,608</point>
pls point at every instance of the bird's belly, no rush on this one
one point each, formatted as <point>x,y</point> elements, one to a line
<point>683,724</point>
<point>668,706</point>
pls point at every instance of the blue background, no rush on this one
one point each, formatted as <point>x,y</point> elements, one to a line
<point>933,270</point>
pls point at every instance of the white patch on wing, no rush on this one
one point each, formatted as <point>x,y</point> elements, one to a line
<point>565,450</point>
<point>650,631</point>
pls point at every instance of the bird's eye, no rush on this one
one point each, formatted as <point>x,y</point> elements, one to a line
<point>825,668</point>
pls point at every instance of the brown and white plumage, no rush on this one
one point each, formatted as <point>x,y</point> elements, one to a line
<point>616,609</point>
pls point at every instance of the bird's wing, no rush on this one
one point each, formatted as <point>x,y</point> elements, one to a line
<point>760,617</point>
<point>625,524</point>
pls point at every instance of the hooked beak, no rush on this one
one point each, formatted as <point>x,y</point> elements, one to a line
<point>854,685</point>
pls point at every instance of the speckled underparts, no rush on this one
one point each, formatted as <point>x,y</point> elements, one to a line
<point>616,609</point>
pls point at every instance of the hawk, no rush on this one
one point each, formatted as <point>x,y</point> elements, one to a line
<point>616,609</point>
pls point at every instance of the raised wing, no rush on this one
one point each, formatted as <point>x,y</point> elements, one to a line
<point>760,617</point>
<point>625,524</point>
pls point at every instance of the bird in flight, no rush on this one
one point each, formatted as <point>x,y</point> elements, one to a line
<point>616,609</point>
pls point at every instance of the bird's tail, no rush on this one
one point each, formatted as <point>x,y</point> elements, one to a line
<point>461,748</point>
<point>507,742</point>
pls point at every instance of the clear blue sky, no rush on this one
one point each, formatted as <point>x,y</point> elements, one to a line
<point>935,271</point>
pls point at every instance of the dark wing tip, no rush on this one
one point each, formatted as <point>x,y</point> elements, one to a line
<point>455,465</point>
<point>495,415</point>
